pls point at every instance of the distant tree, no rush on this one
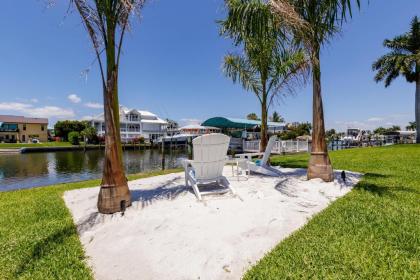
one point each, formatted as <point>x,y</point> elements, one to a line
<point>295,131</point>
<point>380,130</point>
<point>74,138</point>
<point>305,128</point>
<point>89,133</point>
<point>331,134</point>
<point>403,60</point>
<point>394,128</point>
<point>253,117</point>
<point>411,126</point>
<point>276,117</point>
<point>63,128</point>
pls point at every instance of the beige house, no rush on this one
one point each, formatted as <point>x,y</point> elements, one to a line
<point>22,130</point>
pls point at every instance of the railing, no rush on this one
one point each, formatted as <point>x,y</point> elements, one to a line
<point>288,146</point>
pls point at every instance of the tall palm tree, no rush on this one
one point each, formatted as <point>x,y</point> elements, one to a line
<point>403,60</point>
<point>267,67</point>
<point>106,22</point>
<point>314,23</point>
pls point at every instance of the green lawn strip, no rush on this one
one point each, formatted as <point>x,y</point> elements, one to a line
<point>371,233</point>
<point>31,145</point>
<point>38,239</point>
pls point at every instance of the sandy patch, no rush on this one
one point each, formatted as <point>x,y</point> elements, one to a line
<point>168,234</point>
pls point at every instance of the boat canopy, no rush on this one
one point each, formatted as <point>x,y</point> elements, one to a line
<point>222,122</point>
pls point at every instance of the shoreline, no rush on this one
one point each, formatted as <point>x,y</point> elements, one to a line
<point>23,150</point>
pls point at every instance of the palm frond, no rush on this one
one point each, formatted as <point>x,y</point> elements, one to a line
<point>404,58</point>
<point>239,69</point>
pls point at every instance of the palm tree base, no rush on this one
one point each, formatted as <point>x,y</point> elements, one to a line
<point>113,199</point>
<point>320,167</point>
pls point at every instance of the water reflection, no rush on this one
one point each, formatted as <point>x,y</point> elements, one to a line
<point>39,169</point>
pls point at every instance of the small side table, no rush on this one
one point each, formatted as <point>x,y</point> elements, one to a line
<point>241,165</point>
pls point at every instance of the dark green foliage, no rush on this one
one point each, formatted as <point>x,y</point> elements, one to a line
<point>294,131</point>
<point>411,126</point>
<point>276,117</point>
<point>89,133</point>
<point>253,117</point>
<point>74,138</point>
<point>381,130</point>
<point>402,59</point>
<point>62,128</point>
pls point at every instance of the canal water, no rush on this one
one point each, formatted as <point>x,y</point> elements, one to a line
<point>20,171</point>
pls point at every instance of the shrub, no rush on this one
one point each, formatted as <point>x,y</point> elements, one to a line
<point>74,137</point>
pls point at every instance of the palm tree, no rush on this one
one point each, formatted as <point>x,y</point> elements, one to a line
<point>314,23</point>
<point>403,60</point>
<point>411,126</point>
<point>276,117</point>
<point>252,117</point>
<point>266,67</point>
<point>106,22</point>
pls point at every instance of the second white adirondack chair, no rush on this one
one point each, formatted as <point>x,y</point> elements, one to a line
<point>206,168</point>
<point>262,166</point>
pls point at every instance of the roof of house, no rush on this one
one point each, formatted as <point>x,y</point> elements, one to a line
<point>223,122</point>
<point>22,119</point>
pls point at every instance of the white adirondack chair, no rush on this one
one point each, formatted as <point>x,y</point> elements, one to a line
<point>261,166</point>
<point>206,168</point>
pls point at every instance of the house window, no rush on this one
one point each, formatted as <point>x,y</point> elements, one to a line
<point>42,127</point>
<point>24,127</point>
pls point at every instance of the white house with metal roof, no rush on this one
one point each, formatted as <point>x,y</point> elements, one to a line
<point>134,124</point>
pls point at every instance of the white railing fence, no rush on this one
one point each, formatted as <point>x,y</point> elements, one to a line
<point>287,146</point>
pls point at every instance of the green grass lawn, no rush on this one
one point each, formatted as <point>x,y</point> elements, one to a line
<point>371,233</point>
<point>27,145</point>
<point>38,239</point>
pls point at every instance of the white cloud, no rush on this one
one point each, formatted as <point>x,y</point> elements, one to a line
<point>39,112</point>
<point>86,118</point>
<point>374,122</point>
<point>34,100</point>
<point>94,105</point>
<point>188,121</point>
<point>74,98</point>
<point>375,119</point>
<point>14,106</point>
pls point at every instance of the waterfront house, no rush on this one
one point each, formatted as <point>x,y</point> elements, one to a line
<point>22,129</point>
<point>134,124</point>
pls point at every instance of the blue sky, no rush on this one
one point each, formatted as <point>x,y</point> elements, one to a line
<point>171,66</point>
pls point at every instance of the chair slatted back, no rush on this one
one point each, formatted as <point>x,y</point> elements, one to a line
<point>209,155</point>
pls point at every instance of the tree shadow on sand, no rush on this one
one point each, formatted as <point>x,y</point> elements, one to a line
<point>168,190</point>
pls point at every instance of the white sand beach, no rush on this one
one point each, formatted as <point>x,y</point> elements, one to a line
<point>168,234</point>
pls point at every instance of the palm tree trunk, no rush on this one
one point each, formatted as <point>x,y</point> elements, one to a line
<point>264,135</point>
<point>319,162</point>
<point>114,194</point>
<point>417,104</point>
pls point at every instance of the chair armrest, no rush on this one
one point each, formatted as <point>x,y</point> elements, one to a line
<point>186,163</point>
<point>248,155</point>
